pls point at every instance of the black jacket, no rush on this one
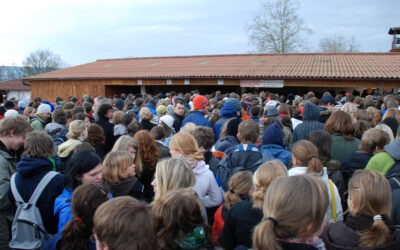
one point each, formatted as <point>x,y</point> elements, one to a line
<point>146,177</point>
<point>177,122</point>
<point>163,151</point>
<point>108,133</point>
<point>239,225</point>
<point>355,161</point>
<point>147,125</point>
<point>131,186</point>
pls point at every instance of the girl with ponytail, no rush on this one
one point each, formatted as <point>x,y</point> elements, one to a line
<point>305,161</point>
<point>77,234</point>
<point>368,225</point>
<point>184,144</point>
<point>244,215</point>
<point>240,186</point>
<point>294,211</point>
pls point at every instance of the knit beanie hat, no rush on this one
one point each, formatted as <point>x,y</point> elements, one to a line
<point>232,127</point>
<point>44,109</point>
<point>22,104</point>
<point>161,110</point>
<point>119,104</point>
<point>82,161</point>
<point>235,103</point>
<point>167,120</point>
<point>199,102</point>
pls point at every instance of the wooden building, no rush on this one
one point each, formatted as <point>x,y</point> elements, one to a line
<point>280,72</point>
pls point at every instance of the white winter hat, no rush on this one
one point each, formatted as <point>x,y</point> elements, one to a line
<point>168,120</point>
<point>10,112</point>
<point>44,109</point>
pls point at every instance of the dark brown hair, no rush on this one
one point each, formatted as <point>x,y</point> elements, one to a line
<point>341,122</point>
<point>17,124</point>
<point>204,137</point>
<point>95,135</point>
<point>38,144</point>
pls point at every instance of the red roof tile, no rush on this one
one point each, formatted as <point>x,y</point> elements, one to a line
<point>14,85</point>
<point>287,66</point>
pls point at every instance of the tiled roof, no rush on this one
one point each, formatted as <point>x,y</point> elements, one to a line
<point>275,66</point>
<point>14,85</point>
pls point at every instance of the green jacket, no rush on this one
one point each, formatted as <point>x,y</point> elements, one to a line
<point>341,148</point>
<point>38,122</point>
<point>380,162</point>
<point>7,169</point>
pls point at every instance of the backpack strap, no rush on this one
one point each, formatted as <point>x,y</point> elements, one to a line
<point>395,180</point>
<point>14,190</point>
<point>41,186</point>
<point>333,205</point>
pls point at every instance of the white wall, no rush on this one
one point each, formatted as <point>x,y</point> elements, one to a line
<point>20,95</point>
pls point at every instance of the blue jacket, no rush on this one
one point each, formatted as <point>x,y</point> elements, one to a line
<point>62,208</point>
<point>197,118</point>
<point>224,146</point>
<point>29,173</point>
<point>273,142</point>
<point>227,112</point>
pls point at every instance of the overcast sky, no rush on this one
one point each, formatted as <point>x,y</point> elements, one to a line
<point>82,31</point>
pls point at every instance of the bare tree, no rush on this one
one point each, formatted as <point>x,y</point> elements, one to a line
<point>41,61</point>
<point>277,28</point>
<point>338,44</point>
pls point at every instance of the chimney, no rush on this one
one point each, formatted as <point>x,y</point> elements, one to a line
<point>395,32</point>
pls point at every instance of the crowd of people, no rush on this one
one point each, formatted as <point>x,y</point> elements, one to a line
<point>190,171</point>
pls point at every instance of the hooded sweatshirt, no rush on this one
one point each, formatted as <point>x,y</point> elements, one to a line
<point>272,144</point>
<point>130,186</point>
<point>383,161</point>
<point>30,172</point>
<point>206,186</point>
<point>227,112</point>
<point>310,122</point>
<point>339,211</point>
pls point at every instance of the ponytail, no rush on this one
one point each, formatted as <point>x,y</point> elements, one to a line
<point>258,197</point>
<point>231,198</point>
<point>264,235</point>
<point>377,235</point>
<point>75,236</point>
<point>314,166</point>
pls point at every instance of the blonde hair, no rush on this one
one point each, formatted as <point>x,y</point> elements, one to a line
<point>185,143</point>
<point>387,129</point>
<point>172,174</point>
<point>371,195</point>
<point>117,117</point>
<point>307,154</point>
<point>375,115</point>
<point>239,184</point>
<point>350,108</point>
<point>76,128</point>
<point>263,177</point>
<point>146,114</point>
<point>115,165</point>
<point>123,143</point>
<point>296,203</point>
<point>189,127</point>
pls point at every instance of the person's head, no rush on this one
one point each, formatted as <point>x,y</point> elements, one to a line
<point>148,150</point>
<point>85,168</point>
<point>59,99</point>
<point>189,127</point>
<point>127,143</point>
<point>176,214</point>
<point>44,110</point>
<point>38,144</point>
<point>87,106</point>
<point>284,109</point>
<point>167,123</point>
<point>146,114</point>
<point>60,116</point>
<point>134,127</point>
<point>323,141</point>
<point>294,207</point>
<point>204,137</point>
<point>85,200</point>
<point>117,117</point>
<point>105,111</point>
<point>386,129</point>
<point>370,195</point>
<point>128,118</point>
<point>179,107</point>
<point>13,130</point>
<point>184,144</point>
<point>248,132</point>
<point>255,111</point>
<point>117,166</point>
<point>172,174</point>
<point>29,111</point>
<point>305,153</point>
<point>96,135</point>
<point>124,223</point>
<point>77,109</point>
<point>77,130</point>
<point>240,185</point>
<point>263,177</point>
<point>158,133</point>
<point>373,141</point>
<point>341,122</point>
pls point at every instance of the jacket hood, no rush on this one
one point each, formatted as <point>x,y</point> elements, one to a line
<point>394,149</point>
<point>30,166</point>
<point>62,202</point>
<point>119,130</point>
<point>200,167</point>
<point>310,112</point>
<point>51,127</point>
<point>122,187</point>
<point>273,135</point>
<point>228,110</point>
<point>66,148</point>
